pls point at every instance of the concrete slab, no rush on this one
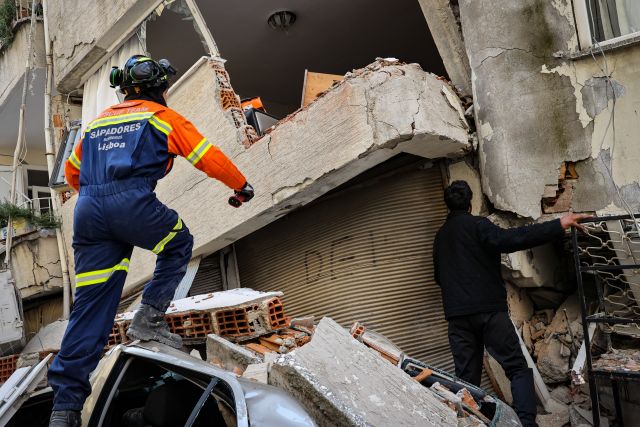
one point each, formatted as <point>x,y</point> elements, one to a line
<point>341,382</point>
<point>229,355</point>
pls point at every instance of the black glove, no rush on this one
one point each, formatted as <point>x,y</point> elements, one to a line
<point>242,196</point>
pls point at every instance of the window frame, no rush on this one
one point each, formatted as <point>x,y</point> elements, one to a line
<point>57,179</point>
<point>120,369</point>
<point>585,32</point>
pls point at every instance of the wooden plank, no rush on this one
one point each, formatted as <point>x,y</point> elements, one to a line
<point>315,84</point>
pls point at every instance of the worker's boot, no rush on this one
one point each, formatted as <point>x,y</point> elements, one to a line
<point>65,419</point>
<point>148,324</point>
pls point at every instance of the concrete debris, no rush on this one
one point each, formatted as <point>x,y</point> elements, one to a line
<point>258,372</point>
<point>520,305</point>
<point>499,380</point>
<point>552,362</point>
<point>562,394</point>
<point>557,341</point>
<point>386,348</point>
<point>342,382</point>
<point>580,417</point>
<point>554,420</point>
<point>48,338</point>
<point>228,355</point>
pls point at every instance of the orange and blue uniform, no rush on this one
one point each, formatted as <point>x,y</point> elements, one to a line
<point>115,168</point>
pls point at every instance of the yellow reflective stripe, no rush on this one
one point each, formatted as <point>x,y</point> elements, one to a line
<point>161,125</point>
<point>199,151</point>
<point>100,276</point>
<point>114,120</point>
<point>161,244</point>
<point>73,159</point>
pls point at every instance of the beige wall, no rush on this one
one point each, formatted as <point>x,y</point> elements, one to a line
<point>621,154</point>
<point>13,59</point>
<point>85,32</point>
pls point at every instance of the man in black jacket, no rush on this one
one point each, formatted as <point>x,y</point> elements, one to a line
<point>466,255</point>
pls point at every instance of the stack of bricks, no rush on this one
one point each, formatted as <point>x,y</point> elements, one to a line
<point>7,367</point>
<point>231,105</point>
<point>238,323</point>
<point>118,333</point>
<point>193,326</point>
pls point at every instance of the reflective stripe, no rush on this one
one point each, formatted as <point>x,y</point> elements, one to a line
<point>160,246</point>
<point>161,125</point>
<point>73,159</point>
<point>199,152</point>
<point>100,276</point>
<point>121,118</point>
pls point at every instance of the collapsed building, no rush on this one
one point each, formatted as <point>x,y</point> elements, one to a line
<point>535,109</point>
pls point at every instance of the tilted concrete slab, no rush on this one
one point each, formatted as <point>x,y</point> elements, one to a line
<point>374,114</point>
<point>342,382</point>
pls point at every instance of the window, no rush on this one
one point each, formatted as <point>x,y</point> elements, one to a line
<point>69,142</point>
<point>151,393</point>
<point>599,21</point>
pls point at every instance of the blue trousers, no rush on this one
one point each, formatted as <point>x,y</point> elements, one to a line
<point>109,220</point>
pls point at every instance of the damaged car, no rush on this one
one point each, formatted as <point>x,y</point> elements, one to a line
<point>150,384</point>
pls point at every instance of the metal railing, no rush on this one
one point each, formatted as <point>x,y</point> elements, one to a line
<point>40,205</point>
<point>23,9</point>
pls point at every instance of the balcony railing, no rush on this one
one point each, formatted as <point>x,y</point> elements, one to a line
<point>23,9</point>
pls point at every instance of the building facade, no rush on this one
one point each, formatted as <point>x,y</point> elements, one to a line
<point>536,108</point>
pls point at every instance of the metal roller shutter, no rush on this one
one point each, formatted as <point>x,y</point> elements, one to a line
<point>362,254</point>
<point>209,277</point>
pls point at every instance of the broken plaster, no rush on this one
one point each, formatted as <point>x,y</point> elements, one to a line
<point>565,9</point>
<point>565,69</point>
<point>597,92</point>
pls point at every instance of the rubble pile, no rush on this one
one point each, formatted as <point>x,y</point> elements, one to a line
<point>619,361</point>
<point>555,339</point>
<point>237,314</point>
<point>332,368</point>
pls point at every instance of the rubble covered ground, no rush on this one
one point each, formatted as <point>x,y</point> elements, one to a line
<point>341,376</point>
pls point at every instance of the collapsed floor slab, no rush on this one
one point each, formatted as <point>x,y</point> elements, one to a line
<point>341,382</point>
<point>374,114</point>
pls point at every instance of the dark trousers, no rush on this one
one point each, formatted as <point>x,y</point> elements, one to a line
<point>106,228</point>
<point>470,335</point>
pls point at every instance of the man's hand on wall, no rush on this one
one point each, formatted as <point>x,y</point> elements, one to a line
<point>571,220</point>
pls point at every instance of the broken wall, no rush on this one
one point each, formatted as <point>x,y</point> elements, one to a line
<point>35,266</point>
<point>536,108</point>
<point>83,33</point>
<point>376,113</point>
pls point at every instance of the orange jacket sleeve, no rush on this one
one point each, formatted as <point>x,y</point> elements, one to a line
<point>72,167</point>
<point>185,140</point>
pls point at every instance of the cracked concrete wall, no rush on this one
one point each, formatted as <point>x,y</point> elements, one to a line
<point>84,33</point>
<point>447,36</point>
<point>14,58</point>
<point>535,110</point>
<point>610,116</point>
<point>374,114</point>
<point>35,266</point>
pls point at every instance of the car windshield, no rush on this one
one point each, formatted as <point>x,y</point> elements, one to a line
<point>158,395</point>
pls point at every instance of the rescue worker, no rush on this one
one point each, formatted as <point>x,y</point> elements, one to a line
<point>466,256</point>
<point>115,168</point>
